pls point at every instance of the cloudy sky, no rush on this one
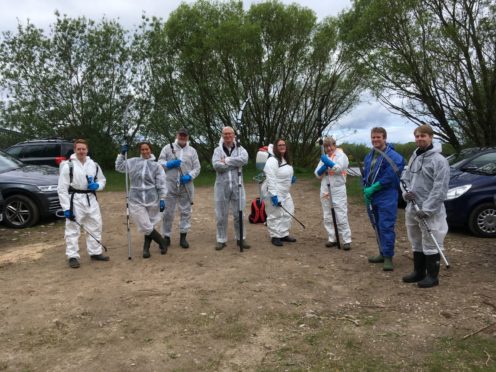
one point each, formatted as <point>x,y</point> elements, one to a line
<point>354,127</point>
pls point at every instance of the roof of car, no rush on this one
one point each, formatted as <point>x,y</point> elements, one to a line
<point>45,140</point>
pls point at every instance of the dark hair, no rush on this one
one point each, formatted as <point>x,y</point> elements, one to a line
<point>278,155</point>
<point>145,143</point>
<point>379,130</point>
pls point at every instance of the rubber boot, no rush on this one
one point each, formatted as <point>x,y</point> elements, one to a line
<point>277,242</point>
<point>432,264</point>
<point>388,264</point>
<point>183,242</point>
<point>146,246</point>
<point>167,240</point>
<point>418,269</point>
<point>376,259</point>
<point>157,238</point>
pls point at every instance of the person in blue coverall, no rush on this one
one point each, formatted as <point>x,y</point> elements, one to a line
<point>380,187</point>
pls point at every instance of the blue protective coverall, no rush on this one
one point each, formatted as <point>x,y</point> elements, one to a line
<point>384,201</point>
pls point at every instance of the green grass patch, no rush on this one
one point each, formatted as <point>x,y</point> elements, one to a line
<point>477,353</point>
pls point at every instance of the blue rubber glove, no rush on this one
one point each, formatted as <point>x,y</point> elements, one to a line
<point>328,162</point>
<point>185,178</point>
<point>162,205</point>
<point>176,163</point>
<point>68,214</point>
<point>124,149</point>
<point>275,201</point>
<point>371,190</point>
<point>293,179</point>
<point>93,186</point>
<point>322,170</point>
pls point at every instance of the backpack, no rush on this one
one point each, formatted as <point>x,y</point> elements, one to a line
<point>257,214</point>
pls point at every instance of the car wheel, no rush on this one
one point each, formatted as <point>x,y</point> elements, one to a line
<point>482,220</point>
<point>20,212</point>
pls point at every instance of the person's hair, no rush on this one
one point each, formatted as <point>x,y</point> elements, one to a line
<point>278,155</point>
<point>329,141</point>
<point>424,128</point>
<point>145,143</point>
<point>80,140</point>
<point>379,130</point>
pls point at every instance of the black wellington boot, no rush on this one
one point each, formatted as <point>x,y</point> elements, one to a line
<point>146,246</point>
<point>418,269</point>
<point>157,238</point>
<point>432,264</point>
<point>183,242</point>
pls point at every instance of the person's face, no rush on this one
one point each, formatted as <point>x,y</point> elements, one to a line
<point>81,151</point>
<point>281,146</point>
<point>228,136</point>
<point>422,140</point>
<point>330,149</point>
<point>182,139</point>
<point>378,140</point>
<point>145,151</point>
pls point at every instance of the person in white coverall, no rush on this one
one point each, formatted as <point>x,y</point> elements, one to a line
<point>226,160</point>
<point>80,178</point>
<point>331,170</point>
<point>427,179</point>
<point>146,193</point>
<point>181,165</point>
<point>279,176</point>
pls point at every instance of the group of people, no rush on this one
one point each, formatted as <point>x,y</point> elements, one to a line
<point>158,187</point>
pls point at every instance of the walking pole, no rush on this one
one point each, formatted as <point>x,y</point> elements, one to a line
<point>285,210</point>
<point>426,226</point>
<point>240,176</point>
<point>60,214</point>
<point>333,212</point>
<point>181,172</point>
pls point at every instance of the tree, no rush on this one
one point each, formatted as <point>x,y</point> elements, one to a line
<point>209,57</point>
<point>430,60</point>
<point>72,83</point>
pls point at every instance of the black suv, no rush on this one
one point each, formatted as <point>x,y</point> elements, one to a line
<point>42,152</point>
<point>30,191</point>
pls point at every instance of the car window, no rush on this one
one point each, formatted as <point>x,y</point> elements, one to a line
<point>455,160</point>
<point>7,162</point>
<point>67,149</point>
<point>481,160</point>
<point>489,169</point>
<point>40,151</point>
<point>14,151</point>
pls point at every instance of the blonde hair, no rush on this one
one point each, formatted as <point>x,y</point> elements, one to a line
<point>329,141</point>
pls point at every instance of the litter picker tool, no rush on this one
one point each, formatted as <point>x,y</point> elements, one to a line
<point>60,214</point>
<point>292,215</point>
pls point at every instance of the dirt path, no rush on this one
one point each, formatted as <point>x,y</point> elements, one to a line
<point>299,307</point>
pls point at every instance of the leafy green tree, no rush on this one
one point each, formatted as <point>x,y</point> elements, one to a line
<point>430,60</point>
<point>74,82</point>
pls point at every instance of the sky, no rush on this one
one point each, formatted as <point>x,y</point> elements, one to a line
<point>353,127</point>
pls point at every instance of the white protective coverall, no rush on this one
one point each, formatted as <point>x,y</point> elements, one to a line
<point>336,177</point>
<point>147,186</point>
<point>85,206</point>
<point>226,163</point>
<point>176,193</point>
<point>427,176</point>
<point>278,178</point>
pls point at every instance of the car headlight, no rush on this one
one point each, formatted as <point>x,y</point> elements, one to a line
<point>456,192</point>
<point>49,188</point>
